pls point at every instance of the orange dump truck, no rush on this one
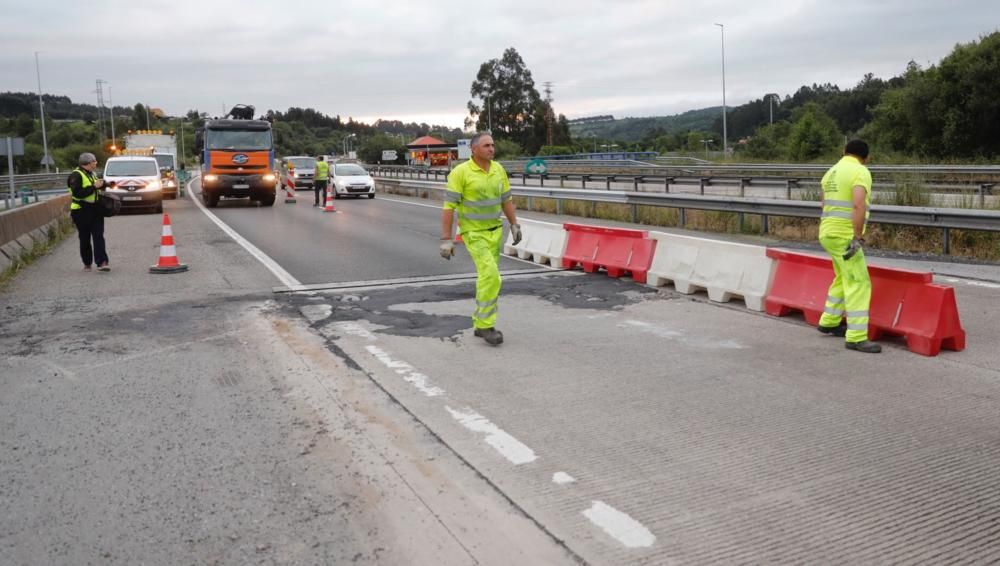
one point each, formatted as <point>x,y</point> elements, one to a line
<point>237,160</point>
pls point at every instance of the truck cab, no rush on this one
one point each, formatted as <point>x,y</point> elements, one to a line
<point>237,161</point>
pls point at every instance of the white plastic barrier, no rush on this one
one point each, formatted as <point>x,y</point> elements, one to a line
<point>723,269</point>
<point>543,242</point>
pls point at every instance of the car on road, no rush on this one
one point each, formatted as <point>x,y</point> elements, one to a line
<point>300,168</point>
<point>168,176</point>
<point>351,179</point>
<point>136,181</point>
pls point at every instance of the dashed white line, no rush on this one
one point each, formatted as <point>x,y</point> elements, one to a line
<point>410,375</point>
<point>562,478</point>
<point>509,447</point>
<point>620,526</point>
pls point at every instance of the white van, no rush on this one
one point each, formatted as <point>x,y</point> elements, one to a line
<point>136,181</point>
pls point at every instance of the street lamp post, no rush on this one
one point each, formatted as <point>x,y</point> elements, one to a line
<point>41,111</point>
<point>725,137</point>
<point>112,105</point>
<point>770,106</point>
<point>706,142</point>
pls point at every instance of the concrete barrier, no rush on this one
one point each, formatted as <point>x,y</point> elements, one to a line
<point>543,242</point>
<point>22,227</point>
<point>723,269</point>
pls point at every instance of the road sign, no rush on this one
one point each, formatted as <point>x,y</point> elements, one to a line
<point>16,146</point>
<point>47,160</point>
<point>389,155</point>
<point>464,149</point>
<point>536,166</point>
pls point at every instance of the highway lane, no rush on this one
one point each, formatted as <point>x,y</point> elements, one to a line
<point>365,240</point>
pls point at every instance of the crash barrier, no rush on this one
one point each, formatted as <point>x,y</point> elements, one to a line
<point>543,242</point>
<point>616,250</point>
<point>904,303</point>
<point>22,227</point>
<point>723,269</point>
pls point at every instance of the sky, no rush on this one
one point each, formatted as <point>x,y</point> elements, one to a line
<point>415,61</point>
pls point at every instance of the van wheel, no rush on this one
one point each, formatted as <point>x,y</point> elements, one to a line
<point>159,207</point>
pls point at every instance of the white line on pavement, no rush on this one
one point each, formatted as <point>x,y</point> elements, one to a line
<point>508,446</point>
<point>279,272</point>
<point>562,478</point>
<point>620,526</point>
<point>410,375</point>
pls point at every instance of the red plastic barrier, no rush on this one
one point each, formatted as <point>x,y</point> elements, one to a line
<point>904,303</point>
<point>617,250</point>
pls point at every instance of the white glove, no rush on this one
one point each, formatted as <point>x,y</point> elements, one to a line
<point>447,249</point>
<point>515,233</point>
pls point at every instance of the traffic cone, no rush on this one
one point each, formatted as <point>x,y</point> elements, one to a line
<point>168,253</point>
<point>329,201</point>
<point>289,191</point>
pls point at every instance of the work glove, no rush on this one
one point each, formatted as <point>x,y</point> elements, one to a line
<point>515,233</point>
<point>447,249</point>
<point>854,248</point>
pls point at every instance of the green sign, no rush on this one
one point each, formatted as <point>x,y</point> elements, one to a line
<point>536,166</point>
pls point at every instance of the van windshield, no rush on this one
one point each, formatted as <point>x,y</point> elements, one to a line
<point>164,160</point>
<point>303,162</point>
<point>144,168</point>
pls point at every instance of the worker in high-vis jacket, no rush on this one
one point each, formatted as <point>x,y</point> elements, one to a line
<point>847,189</point>
<point>480,191</point>
<point>320,176</point>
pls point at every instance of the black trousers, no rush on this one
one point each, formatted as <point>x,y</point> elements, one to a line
<point>90,227</point>
<point>319,187</point>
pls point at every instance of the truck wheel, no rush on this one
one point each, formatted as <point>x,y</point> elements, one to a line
<point>266,200</point>
<point>210,199</point>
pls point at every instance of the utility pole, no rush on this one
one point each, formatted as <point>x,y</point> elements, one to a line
<point>489,116</point>
<point>41,110</point>
<point>148,127</point>
<point>100,109</point>
<point>549,115</point>
<point>111,107</point>
<point>725,137</point>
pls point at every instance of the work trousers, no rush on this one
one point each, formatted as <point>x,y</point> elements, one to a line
<point>484,247</point>
<point>850,293</point>
<point>90,227</point>
<point>319,189</point>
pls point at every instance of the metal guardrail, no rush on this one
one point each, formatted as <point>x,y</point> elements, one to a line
<point>945,219</point>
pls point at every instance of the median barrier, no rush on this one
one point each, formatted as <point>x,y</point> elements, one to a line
<point>722,269</point>
<point>904,303</point>
<point>543,242</point>
<point>22,227</point>
<point>616,250</point>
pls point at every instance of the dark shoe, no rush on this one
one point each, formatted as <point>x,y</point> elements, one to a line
<point>492,336</point>
<point>104,267</point>
<point>840,331</point>
<point>866,346</point>
<point>315,204</point>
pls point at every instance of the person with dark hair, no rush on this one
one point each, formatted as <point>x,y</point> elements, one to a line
<point>480,192</point>
<point>83,187</point>
<point>847,189</point>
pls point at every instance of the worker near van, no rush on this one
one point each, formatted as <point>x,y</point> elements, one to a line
<point>83,187</point>
<point>320,176</point>
<point>480,191</point>
<point>847,189</point>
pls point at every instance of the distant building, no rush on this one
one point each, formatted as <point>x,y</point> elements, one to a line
<point>431,151</point>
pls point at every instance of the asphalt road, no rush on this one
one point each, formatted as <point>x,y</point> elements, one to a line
<point>201,417</point>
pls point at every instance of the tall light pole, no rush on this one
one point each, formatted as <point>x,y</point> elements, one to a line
<point>489,116</point>
<point>112,105</point>
<point>770,106</point>
<point>41,110</point>
<point>725,137</point>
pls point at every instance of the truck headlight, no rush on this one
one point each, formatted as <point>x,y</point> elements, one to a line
<point>210,178</point>
<point>269,178</point>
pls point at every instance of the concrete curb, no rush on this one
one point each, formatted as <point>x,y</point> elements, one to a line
<point>21,228</point>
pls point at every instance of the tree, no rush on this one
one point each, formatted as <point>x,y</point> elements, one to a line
<point>506,149</point>
<point>504,95</point>
<point>813,134</point>
<point>24,125</point>
<point>371,149</point>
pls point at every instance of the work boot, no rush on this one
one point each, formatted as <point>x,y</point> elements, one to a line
<point>104,267</point>
<point>492,336</point>
<point>866,346</point>
<point>840,331</point>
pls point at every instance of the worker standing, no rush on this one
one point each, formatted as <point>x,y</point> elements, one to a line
<point>480,191</point>
<point>847,189</point>
<point>84,188</point>
<point>320,176</point>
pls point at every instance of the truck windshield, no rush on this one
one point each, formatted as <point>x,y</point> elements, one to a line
<point>238,140</point>
<point>164,160</point>
<point>144,168</point>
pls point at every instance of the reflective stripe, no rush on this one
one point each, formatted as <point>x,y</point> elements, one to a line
<point>836,214</point>
<point>834,311</point>
<point>843,203</point>
<point>857,314</point>
<point>487,303</point>
<point>506,197</point>
<point>482,203</point>
<point>834,301</point>
<point>486,313</point>
<point>491,216</point>
<point>862,326</point>
<point>451,196</point>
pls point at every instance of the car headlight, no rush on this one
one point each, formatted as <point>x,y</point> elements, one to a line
<point>269,178</point>
<point>154,185</point>
<point>211,178</point>
<point>169,183</point>
<point>295,175</point>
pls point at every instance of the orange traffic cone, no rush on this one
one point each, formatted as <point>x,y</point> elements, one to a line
<point>289,191</point>
<point>168,253</point>
<point>329,201</point>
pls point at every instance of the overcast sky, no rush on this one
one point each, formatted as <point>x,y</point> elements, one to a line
<point>415,61</point>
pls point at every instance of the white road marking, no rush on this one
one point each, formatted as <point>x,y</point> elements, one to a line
<point>354,329</point>
<point>562,478</point>
<point>410,375</point>
<point>983,284</point>
<point>509,447</point>
<point>670,334</point>
<point>279,272</point>
<point>620,526</point>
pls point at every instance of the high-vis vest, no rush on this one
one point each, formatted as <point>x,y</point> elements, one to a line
<point>838,197</point>
<point>322,170</point>
<point>477,195</point>
<point>87,182</point>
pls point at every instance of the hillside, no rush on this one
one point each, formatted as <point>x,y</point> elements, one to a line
<point>635,129</point>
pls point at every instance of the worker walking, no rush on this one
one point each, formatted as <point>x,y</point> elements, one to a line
<point>83,186</point>
<point>320,176</point>
<point>847,189</point>
<point>480,191</point>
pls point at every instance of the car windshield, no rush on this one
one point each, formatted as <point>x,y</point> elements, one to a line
<point>350,170</point>
<point>142,168</point>
<point>164,160</point>
<point>303,162</point>
<point>238,140</point>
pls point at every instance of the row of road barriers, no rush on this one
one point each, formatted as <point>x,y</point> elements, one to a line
<point>904,303</point>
